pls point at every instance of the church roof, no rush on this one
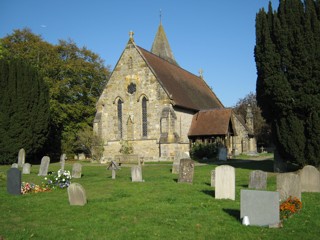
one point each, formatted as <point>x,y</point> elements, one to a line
<point>184,88</point>
<point>211,122</point>
<point>161,47</point>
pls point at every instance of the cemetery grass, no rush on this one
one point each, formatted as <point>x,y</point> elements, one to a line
<point>159,208</point>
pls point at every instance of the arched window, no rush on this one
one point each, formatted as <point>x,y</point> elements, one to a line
<point>119,108</point>
<point>144,117</point>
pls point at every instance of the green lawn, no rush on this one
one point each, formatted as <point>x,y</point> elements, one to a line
<point>159,208</point>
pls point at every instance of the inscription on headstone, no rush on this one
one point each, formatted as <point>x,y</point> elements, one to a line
<point>44,166</point>
<point>225,182</point>
<point>14,181</point>
<point>77,194</point>
<point>21,157</point>
<point>261,207</point>
<point>186,170</point>
<point>258,180</point>
<point>136,174</point>
<point>288,184</point>
<point>310,179</point>
<point>76,170</point>
<point>26,168</point>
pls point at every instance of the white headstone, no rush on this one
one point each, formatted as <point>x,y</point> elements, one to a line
<point>310,179</point>
<point>136,174</point>
<point>43,170</point>
<point>62,161</point>
<point>76,170</point>
<point>77,194</point>
<point>14,165</point>
<point>21,157</point>
<point>225,182</point>
<point>288,184</point>
<point>26,168</point>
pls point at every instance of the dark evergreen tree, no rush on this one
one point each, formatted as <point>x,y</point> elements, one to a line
<point>287,55</point>
<point>24,111</point>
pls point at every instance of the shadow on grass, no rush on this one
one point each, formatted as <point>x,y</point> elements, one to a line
<point>209,192</point>
<point>233,212</point>
<point>263,165</point>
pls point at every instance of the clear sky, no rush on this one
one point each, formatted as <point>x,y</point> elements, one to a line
<point>215,36</point>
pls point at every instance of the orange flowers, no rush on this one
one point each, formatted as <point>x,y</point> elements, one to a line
<point>290,207</point>
<point>32,188</point>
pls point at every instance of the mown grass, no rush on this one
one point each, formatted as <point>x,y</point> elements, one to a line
<point>159,208</point>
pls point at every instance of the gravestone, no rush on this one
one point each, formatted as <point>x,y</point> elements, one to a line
<point>14,181</point>
<point>258,180</point>
<point>186,170</point>
<point>136,174</point>
<point>26,168</point>
<point>225,182</point>
<point>62,161</point>
<point>77,194</point>
<point>113,167</point>
<point>176,161</point>
<point>213,177</point>
<point>21,157</point>
<point>310,179</point>
<point>288,184</point>
<point>261,207</point>
<point>222,154</point>
<point>76,170</point>
<point>14,165</point>
<point>44,166</point>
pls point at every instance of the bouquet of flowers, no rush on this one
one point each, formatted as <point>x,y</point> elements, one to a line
<point>32,188</point>
<point>60,179</point>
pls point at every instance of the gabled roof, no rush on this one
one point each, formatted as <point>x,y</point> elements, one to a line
<point>185,89</point>
<point>211,122</point>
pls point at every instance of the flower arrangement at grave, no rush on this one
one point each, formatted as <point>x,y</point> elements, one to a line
<point>32,188</point>
<point>60,179</point>
<point>289,207</point>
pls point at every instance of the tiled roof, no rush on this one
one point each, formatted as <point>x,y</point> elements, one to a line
<point>211,122</point>
<point>184,88</point>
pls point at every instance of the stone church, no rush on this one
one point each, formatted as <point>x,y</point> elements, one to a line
<point>161,109</point>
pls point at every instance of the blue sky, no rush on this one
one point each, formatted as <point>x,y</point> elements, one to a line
<point>216,36</point>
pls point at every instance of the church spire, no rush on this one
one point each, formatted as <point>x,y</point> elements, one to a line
<point>161,47</point>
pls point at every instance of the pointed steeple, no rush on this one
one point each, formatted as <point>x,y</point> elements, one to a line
<point>161,47</point>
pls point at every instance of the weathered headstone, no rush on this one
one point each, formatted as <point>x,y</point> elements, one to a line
<point>14,181</point>
<point>26,168</point>
<point>258,180</point>
<point>14,165</point>
<point>186,170</point>
<point>77,194</point>
<point>310,179</point>
<point>225,182</point>
<point>21,157</point>
<point>44,166</point>
<point>113,166</point>
<point>213,177</point>
<point>222,154</point>
<point>288,184</point>
<point>261,207</point>
<point>136,174</point>
<point>76,170</point>
<point>62,161</point>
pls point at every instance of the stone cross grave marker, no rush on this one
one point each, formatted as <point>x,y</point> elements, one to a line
<point>310,179</point>
<point>21,157</point>
<point>261,207</point>
<point>113,166</point>
<point>14,181</point>
<point>258,180</point>
<point>136,174</point>
<point>213,177</point>
<point>186,170</point>
<point>76,170</point>
<point>26,168</point>
<point>77,194</point>
<point>44,166</point>
<point>62,161</point>
<point>225,182</point>
<point>288,184</point>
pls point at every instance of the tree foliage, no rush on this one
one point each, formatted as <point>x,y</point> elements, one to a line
<point>75,76</point>
<point>287,55</point>
<point>24,111</point>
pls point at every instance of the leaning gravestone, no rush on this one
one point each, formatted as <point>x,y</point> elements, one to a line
<point>136,174</point>
<point>288,184</point>
<point>186,170</point>
<point>225,182</point>
<point>76,170</point>
<point>258,180</point>
<point>261,207</point>
<point>26,168</point>
<point>14,181</point>
<point>44,166</point>
<point>310,179</point>
<point>213,177</point>
<point>77,194</point>
<point>21,157</point>
<point>62,161</point>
